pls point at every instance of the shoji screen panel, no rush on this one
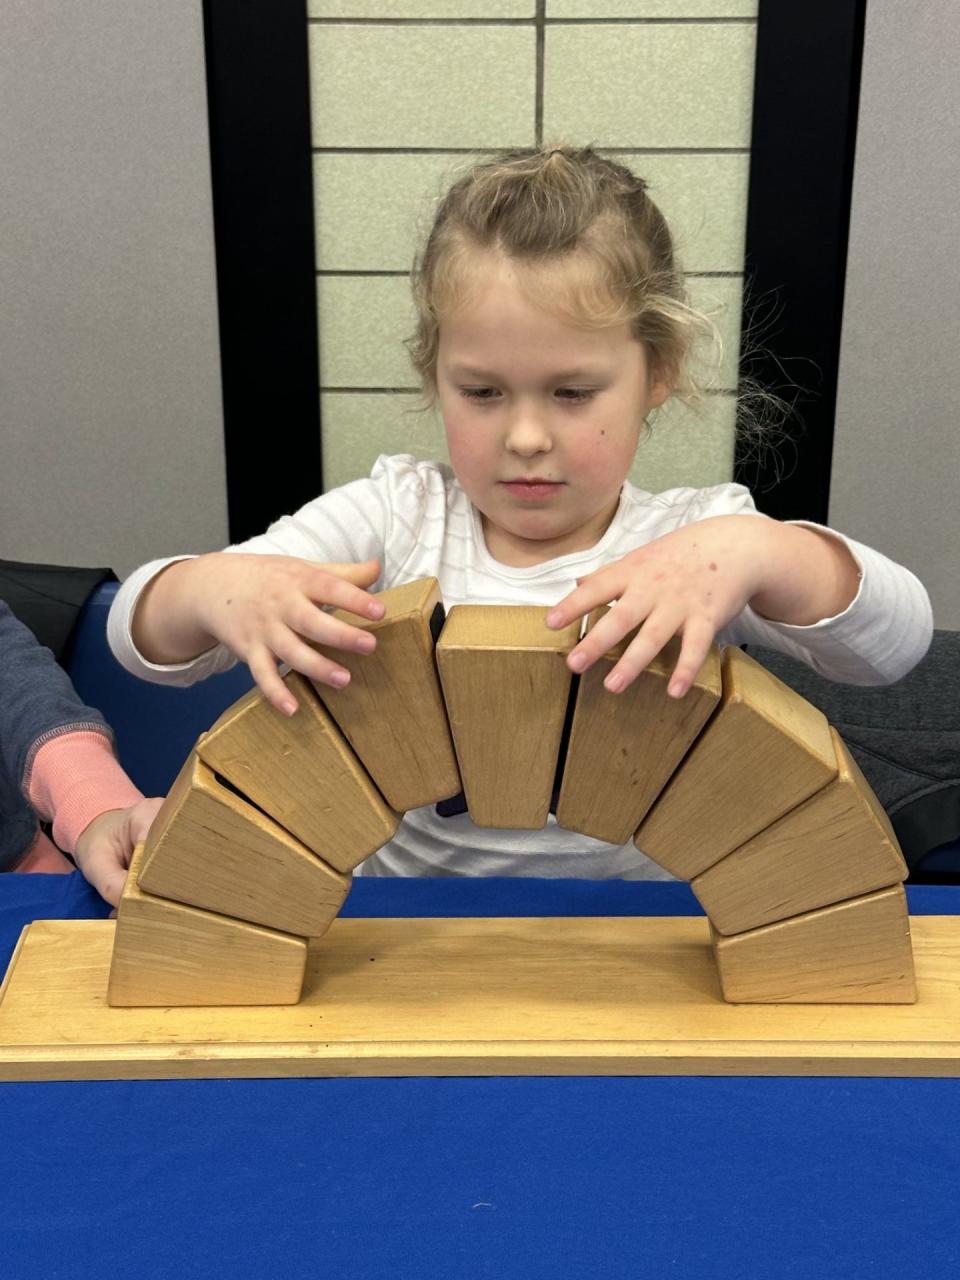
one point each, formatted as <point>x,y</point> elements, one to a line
<point>405,95</point>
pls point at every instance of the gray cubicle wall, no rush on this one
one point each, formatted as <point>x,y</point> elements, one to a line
<point>896,460</point>
<point>111,447</point>
<point>110,422</point>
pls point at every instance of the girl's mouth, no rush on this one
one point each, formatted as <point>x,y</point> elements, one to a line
<point>533,490</point>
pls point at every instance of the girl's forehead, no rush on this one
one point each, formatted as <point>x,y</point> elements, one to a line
<point>504,335</point>
<point>568,290</point>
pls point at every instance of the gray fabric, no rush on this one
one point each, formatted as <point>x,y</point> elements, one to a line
<point>904,736</point>
<point>37,701</point>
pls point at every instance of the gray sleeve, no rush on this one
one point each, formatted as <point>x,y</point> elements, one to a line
<point>37,700</point>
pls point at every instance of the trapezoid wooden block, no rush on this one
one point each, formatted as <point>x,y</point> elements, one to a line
<point>506,686</point>
<point>765,750</point>
<point>392,710</point>
<point>300,771</point>
<point>624,748</point>
<point>166,953</point>
<point>839,844</point>
<point>855,952</point>
<point>208,847</point>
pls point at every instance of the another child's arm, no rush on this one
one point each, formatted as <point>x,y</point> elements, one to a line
<point>705,576</point>
<point>98,815</point>
<point>56,761</point>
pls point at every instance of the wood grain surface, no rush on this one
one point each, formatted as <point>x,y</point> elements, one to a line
<point>170,954</point>
<point>624,747</point>
<point>302,772</point>
<point>392,710</point>
<point>506,686</point>
<point>765,750</point>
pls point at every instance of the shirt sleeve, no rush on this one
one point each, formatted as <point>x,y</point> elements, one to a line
<point>373,519</point>
<point>880,636</point>
<point>37,700</point>
<point>75,777</point>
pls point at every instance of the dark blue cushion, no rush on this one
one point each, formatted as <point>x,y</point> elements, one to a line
<point>155,726</point>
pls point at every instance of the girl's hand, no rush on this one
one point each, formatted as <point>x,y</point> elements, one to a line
<point>690,582</point>
<point>106,846</point>
<point>265,609</point>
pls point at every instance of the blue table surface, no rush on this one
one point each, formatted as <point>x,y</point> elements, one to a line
<point>501,1178</point>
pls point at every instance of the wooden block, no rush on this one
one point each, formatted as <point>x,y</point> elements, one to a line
<point>166,953</point>
<point>624,748</point>
<point>616,996</point>
<point>839,844</point>
<point>392,710</point>
<point>208,847</point>
<point>506,686</point>
<point>301,771</point>
<point>855,952</point>
<point>765,750</point>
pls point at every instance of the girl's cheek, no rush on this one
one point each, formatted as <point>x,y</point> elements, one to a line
<point>466,446</point>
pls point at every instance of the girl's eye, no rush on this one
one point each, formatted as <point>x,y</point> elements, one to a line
<point>577,395</point>
<point>478,393</point>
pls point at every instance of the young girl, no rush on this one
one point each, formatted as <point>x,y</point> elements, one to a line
<point>552,320</point>
<point>57,764</point>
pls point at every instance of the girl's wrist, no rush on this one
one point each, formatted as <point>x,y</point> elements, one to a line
<point>810,576</point>
<point>167,625</point>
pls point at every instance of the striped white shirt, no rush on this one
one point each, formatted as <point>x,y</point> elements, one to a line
<point>417,521</point>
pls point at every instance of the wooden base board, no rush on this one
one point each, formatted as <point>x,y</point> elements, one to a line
<point>450,997</point>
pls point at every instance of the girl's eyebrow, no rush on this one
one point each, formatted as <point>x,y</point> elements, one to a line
<point>562,375</point>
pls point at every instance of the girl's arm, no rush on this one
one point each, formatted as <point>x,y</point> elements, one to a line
<point>264,609</point>
<point>748,578</point>
<point>810,576</point>
<point>263,600</point>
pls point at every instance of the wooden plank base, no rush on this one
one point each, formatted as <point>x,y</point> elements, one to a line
<point>557,996</point>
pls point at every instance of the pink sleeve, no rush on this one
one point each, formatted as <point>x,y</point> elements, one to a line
<point>75,777</point>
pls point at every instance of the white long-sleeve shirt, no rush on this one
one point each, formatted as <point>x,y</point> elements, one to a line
<point>415,518</point>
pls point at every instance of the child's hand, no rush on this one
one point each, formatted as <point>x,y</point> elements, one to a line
<point>265,609</point>
<point>691,582</point>
<point>106,846</point>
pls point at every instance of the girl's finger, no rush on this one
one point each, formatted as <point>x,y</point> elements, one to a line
<point>329,588</point>
<point>596,589</point>
<point>698,636</point>
<point>322,628</point>
<point>659,628</point>
<point>616,623</point>
<point>315,666</point>
<point>362,573</point>
<point>263,668</point>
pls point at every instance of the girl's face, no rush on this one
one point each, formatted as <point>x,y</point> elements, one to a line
<point>542,417</point>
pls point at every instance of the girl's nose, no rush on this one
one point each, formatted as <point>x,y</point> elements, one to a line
<point>528,435</point>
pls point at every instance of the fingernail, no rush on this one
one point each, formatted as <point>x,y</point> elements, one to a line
<point>340,678</point>
<point>288,708</point>
<point>366,644</point>
<point>676,688</point>
<point>614,682</point>
<point>577,662</point>
<point>552,618</point>
<point>375,610</point>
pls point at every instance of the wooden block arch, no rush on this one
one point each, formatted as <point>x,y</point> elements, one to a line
<point>742,788</point>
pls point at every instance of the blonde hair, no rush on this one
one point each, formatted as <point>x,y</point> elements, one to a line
<point>601,248</point>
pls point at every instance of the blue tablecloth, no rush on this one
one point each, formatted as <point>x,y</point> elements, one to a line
<point>503,1178</point>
